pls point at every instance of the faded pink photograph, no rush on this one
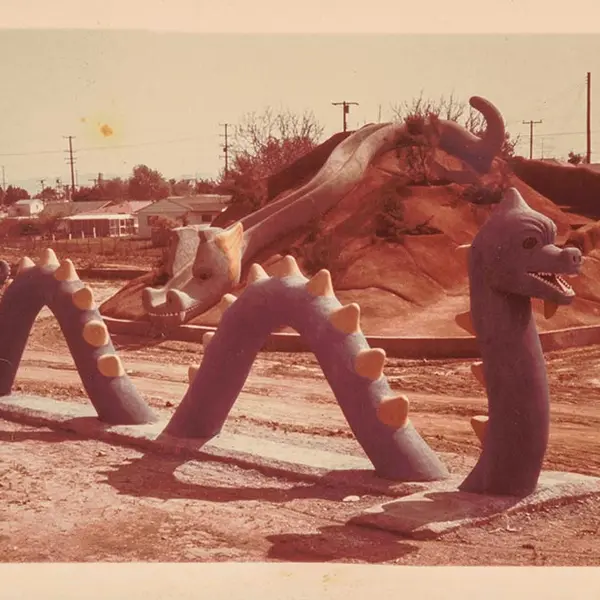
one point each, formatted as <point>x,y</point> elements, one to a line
<point>301,299</point>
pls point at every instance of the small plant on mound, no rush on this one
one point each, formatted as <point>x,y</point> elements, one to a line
<point>320,251</point>
<point>418,157</point>
<point>489,191</point>
<point>390,223</point>
<point>483,194</point>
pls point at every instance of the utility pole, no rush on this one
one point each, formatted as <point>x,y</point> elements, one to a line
<point>588,156</point>
<point>71,161</point>
<point>3,179</point>
<point>225,147</point>
<point>531,124</point>
<point>346,109</point>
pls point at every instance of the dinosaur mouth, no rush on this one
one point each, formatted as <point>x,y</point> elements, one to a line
<point>556,281</point>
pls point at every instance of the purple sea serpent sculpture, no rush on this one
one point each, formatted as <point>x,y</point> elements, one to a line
<point>512,259</point>
<point>57,286</point>
<point>377,416</point>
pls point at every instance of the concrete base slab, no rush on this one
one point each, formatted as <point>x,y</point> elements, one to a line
<point>441,509</point>
<point>274,458</point>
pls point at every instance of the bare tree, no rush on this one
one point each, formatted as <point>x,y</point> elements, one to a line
<point>449,109</point>
<point>256,130</point>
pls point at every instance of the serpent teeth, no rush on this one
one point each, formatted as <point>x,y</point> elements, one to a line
<point>554,280</point>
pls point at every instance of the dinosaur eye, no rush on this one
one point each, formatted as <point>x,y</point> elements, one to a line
<point>529,243</point>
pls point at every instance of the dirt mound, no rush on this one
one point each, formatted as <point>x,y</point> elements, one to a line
<point>575,188</point>
<point>390,248</point>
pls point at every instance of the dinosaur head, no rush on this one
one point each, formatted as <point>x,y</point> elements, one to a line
<point>197,282</point>
<point>516,251</point>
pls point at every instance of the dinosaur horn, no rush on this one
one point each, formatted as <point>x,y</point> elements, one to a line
<point>479,152</point>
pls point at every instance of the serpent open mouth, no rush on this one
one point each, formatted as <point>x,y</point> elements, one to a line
<point>554,280</point>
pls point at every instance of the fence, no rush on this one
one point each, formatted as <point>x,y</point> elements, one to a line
<point>135,251</point>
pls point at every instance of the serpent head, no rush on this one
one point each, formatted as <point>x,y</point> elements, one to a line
<point>517,251</point>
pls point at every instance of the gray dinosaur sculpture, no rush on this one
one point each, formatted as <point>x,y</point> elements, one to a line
<point>205,264</point>
<point>512,259</point>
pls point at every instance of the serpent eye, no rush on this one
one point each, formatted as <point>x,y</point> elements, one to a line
<point>202,274</point>
<point>529,243</point>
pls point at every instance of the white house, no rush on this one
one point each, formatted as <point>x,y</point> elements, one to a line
<point>195,210</point>
<point>26,208</point>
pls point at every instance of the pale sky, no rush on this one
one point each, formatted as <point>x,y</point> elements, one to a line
<point>165,94</point>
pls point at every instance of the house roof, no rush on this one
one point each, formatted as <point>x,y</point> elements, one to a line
<point>57,209</point>
<point>26,202</point>
<point>129,207</point>
<point>97,216</point>
<point>183,204</point>
<point>204,202</point>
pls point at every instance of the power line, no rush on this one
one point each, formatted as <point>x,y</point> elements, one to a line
<point>103,148</point>
<point>561,133</point>
<point>71,162</point>
<point>531,124</point>
<point>225,147</point>
<point>346,109</point>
